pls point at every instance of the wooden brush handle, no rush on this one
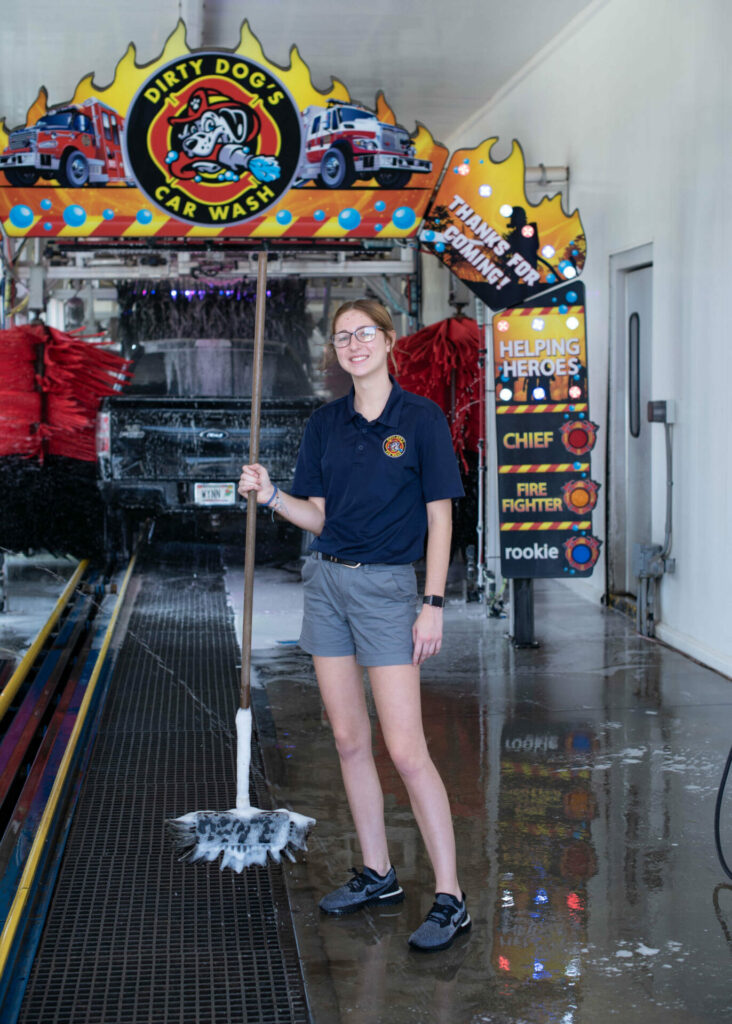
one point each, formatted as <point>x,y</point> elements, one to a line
<point>251,530</point>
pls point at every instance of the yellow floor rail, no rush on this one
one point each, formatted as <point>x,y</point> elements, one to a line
<point>16,680</point>
<point>16,910</point>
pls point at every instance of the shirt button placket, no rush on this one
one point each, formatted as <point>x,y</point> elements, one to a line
<point>361,444</point>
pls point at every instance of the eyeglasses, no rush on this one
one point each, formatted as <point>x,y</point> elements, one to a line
<point>365,334</point>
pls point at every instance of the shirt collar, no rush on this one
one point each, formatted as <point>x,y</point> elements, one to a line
<point>390,413</point>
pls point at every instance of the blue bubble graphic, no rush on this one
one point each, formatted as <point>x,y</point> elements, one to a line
<point>319,215</point>
<point>349,218</point>
<point>75,215</point>
<point>171,157</point>
<point>46,204</point>
<point>551,278</point>
<point>21,216</point>
<point>144,216</point>
<point>563,308</point>
<point>582,554</point>
<point>108,214</point>
<point>571,296</point>
<point>380,205</point>
<point>429,236</point>
<point>404,218</point>
<point>284,217</point>
<point>47,225</point>
<point>378,227</point>
<point>440,246</point>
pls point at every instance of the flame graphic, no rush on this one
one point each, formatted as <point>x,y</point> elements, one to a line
<point>129,75</point>
<point>37,109</point>
<point>383,110</point>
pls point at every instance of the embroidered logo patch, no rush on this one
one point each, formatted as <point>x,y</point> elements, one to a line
<point>395,446</point>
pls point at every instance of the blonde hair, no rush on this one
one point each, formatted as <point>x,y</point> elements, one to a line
<point>376,312</point>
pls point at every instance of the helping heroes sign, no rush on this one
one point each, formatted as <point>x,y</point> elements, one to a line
<point>544,438</point>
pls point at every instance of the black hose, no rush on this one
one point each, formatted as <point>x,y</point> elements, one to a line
<point>717,814</point>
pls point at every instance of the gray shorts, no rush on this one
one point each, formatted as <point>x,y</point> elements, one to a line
<point>367,611</point>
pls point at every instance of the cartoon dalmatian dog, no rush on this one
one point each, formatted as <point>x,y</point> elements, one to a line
<point>214,136</point>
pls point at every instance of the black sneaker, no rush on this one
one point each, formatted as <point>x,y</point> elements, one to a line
<point>447,919</point>
<point>364,888</point>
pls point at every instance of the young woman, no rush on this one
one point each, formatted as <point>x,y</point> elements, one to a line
<point>375,473</point>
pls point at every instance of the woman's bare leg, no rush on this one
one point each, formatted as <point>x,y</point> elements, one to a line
<point>397,696</point>
<point>341,687</point>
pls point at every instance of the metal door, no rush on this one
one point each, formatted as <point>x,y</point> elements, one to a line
<point>635,336</point>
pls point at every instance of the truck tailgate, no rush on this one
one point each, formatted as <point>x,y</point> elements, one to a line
<point>202,439</point>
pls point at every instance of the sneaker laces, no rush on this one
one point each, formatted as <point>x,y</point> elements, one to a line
<point>441,914</point>
<point>359,881</point>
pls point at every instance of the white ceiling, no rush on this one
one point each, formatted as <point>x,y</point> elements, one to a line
<point>436,62</point>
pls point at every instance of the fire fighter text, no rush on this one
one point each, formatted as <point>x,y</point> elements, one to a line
<point>531,497</point>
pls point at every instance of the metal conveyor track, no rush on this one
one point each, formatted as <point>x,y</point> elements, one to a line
<point>132,935</point>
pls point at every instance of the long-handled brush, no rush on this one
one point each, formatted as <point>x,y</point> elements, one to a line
<point>244,835</point>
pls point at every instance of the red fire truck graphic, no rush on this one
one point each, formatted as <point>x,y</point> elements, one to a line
<point>344,142</point>
<point>76,145</point>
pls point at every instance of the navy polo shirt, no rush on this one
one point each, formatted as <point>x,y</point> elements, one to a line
<point>376,476</point>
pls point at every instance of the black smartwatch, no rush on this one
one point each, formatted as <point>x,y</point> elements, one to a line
<point>434,600</point>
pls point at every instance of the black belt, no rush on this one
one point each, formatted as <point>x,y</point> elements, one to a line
<point>338,561</point>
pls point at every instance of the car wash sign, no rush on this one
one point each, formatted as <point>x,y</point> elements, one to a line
<point>545,436</point>
<point>214,143</point>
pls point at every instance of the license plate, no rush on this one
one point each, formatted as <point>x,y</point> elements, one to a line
<point>214,494</point>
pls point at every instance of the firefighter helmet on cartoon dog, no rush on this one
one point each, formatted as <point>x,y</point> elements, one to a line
<point>243,121</point>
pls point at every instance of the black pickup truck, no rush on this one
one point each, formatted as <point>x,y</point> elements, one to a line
<point>172,446</point>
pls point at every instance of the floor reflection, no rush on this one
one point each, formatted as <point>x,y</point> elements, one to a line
<point>582,779</point>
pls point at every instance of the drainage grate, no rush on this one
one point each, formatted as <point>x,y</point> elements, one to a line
<point>132,935</point>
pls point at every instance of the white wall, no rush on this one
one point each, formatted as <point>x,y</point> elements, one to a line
<point>636,98</point>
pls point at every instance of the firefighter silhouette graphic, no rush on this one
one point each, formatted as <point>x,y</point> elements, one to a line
<point>215,138</point>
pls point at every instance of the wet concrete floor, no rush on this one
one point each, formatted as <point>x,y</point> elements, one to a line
<point>583,777</point>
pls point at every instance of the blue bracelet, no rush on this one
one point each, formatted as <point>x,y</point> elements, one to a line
<point>266,504</point>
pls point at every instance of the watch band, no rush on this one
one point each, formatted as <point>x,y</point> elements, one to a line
<point>434,600</point>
